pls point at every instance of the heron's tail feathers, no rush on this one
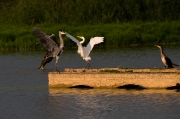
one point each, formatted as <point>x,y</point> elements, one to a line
<point>175,64</point>
<point>87,58</point>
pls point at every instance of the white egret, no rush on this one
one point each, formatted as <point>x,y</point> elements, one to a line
<point>85,51</point>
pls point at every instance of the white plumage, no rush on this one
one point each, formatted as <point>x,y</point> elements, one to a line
<point>85,51</point>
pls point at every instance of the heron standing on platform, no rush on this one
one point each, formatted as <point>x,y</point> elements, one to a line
<point>166,61</point>
<point>85,51</point>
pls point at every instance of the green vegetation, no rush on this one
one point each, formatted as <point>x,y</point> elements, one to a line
<point>88,11</point>
<point>109,71</point>
<point>121,22</point>
<point>115,71</point>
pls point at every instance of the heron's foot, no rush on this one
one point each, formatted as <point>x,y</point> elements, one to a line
<point>58,71</point>
<point>88,66</point>
<point>84,70</point>
<point>41,68</point>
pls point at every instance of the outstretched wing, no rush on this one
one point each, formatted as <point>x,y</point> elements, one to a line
<point>72,38</point>
<point>53,37</point>
<point>46,40</point>
<point>93,41</point>
<point>80,50</point>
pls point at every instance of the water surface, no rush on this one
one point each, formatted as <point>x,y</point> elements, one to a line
<point>24,91</point>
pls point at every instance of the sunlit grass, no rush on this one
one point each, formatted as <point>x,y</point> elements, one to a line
<point>15,36</point>
<point>121,22</point>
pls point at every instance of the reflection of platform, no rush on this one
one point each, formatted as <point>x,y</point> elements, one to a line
<point>115,77</point>
<point>108,92</point>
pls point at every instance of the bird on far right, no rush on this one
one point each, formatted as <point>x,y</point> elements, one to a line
<point>166,61</point>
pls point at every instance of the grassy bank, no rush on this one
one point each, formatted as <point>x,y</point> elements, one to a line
<point>121,22</point>
<point>116,34</point>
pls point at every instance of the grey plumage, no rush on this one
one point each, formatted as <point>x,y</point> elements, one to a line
<point>50,44</point>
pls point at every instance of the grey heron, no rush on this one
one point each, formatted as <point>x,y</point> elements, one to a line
<point>50,45</point>
<point>166,61</point>
<point>85,51</point>
<point>47,58</point>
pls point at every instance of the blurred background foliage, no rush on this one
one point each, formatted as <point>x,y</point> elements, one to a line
<point>88,11</point>
<point>121,22</point>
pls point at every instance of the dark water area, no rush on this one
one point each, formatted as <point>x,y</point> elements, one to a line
<point>24,91</point>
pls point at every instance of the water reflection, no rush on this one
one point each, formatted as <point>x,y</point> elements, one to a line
<point>109,92</point>
<point>114,103</point>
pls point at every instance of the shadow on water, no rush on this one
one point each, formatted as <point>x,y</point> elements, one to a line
<point>81,87</point>
<point>131,87</point>
<point>76,91</point>
<point>177,86</point>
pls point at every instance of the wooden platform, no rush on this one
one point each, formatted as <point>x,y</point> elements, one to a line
<point>115,77</point>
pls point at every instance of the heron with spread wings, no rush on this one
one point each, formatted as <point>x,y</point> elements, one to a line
<point>85,51</point>
<point>50,44</point>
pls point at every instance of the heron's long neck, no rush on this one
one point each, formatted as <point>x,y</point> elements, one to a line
<point>83,39</point>
<point>161,51</point>
<point>60,39</point>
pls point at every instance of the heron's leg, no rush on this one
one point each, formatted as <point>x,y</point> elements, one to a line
<point>57,58</point>
<point>88,64</point>
<point>41,66</point>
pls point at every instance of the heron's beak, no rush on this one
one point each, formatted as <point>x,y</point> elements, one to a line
<point>157,46</point>
<point>79,36</point>
<point>62,32</point>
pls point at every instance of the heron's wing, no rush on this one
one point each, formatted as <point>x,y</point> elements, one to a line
<point>80,48</point>
<point>93,41</point>
<point>46,40</point>
<point>72,38</point>
<point>53,37</point>
<point>168,62</point>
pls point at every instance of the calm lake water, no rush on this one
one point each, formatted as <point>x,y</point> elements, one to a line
<point>24,91</point>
